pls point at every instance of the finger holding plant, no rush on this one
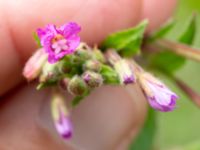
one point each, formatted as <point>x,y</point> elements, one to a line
<point>64,63</point>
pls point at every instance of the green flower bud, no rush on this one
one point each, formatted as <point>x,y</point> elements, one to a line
<point>93,79</point>
<point>98,55</point>
<point>77,86</point>
<point>64,67</point>
<point>121,66</point>
<point>83,52</point>
<point>50,72</point>
<point>92,65</point>
<point>63,83</point>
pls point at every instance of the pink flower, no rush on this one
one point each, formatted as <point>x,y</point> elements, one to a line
<point>159,96</point>
<point>34,65</point>
<point>59,41</point>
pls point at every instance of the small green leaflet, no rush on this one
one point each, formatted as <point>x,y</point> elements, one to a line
<point>109,75</point>
<point>145,139</point>
<point>37,39</point>
<point>187,37</point>
<point>162,31</point>
<point>127,42</point>
<point>167,61</point>
<point>78,99</point>
<point>45,84</point>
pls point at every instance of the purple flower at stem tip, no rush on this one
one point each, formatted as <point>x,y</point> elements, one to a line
<point>59,41</point>
<point>64,126</point>
<point>159,96</point>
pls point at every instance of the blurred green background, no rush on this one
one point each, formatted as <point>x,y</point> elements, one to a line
<point>181,128</point>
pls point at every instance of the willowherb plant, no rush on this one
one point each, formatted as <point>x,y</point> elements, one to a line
<point>65,63</point>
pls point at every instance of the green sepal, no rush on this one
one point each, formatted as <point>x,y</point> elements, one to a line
<point>45,85</point>
<point>37,39</point>
<point>109,75</point>
<point>162,32</point>
<point>77,99</point>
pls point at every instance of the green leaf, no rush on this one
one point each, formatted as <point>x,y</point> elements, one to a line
<point>169,62</point>
<point>162,31</point>
<point>146,137</point>
<point>78,99</point>
<point>37,39</point>
<point>109,75</point>
<point>128,41</point>
<point>192,146</point>
<point>187,37</point>
<point>166,61</point>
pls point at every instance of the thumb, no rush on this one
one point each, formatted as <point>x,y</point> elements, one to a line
<point>102,121</point>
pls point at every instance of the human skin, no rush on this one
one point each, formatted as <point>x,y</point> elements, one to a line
<point>111,116</point>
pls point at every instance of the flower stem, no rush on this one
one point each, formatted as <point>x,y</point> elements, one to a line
<point>178,48</point>
<point>193,95</point>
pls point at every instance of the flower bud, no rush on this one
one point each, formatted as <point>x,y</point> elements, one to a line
<point>60,116</point>
<point>159,96</point>
<point>77,86</point>
<point>34,65</point>
<point>63,83</point>
<point>64,67</point>
<point>122,67</point>
<point>93,79</point>
<point>112,56</point>
<point>98,55</point>
<point>92,65</point>
<point>83,52</point>
<point>50,72</point>
<point>124,71</point>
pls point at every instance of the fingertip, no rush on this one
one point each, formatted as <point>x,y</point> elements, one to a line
<point>157,12</point>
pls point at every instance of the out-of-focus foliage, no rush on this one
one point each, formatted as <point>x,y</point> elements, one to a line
<point>163,60</point>
<point>181,127</point>
<point>146,137</point>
